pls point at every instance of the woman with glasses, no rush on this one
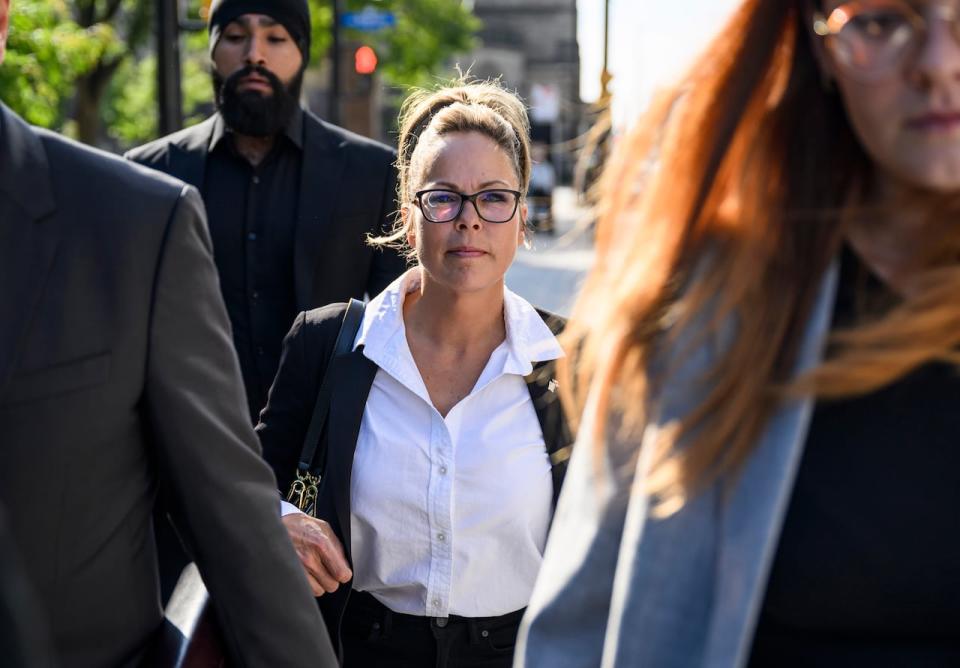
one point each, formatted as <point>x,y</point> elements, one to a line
<point>445,442</point>
<point>768,471</point>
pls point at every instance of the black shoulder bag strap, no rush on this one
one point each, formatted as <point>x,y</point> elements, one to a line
<point>557,434</point>
<point>304,489</point>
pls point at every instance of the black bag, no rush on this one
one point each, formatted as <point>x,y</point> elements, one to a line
<point>305,487</point>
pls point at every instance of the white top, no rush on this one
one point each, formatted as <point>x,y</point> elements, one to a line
<point>449,516</point>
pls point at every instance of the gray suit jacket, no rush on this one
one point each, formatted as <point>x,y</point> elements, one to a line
<point>622,588</point>
<point>117,376</point>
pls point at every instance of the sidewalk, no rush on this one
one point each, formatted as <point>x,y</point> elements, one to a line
<point>550,274</point>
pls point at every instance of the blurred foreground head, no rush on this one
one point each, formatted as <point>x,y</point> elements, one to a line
<point>736,191</point>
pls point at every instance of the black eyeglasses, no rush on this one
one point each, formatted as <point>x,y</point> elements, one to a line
<point>493,206</point>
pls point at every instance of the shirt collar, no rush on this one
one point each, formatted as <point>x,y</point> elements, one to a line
<point>528,340</point>
<point>293,130</point>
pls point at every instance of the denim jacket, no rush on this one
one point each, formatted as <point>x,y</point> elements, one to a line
<point>620,587</point>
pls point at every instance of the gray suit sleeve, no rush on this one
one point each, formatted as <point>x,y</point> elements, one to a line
<point>210,460</point>
<point>620,587</point>
<point>566,621</point>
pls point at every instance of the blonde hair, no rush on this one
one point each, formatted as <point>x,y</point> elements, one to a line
<point>485,107</point>
<point>730,200</point>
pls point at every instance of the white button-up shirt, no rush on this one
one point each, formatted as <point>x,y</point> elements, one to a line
<point>449,515</point>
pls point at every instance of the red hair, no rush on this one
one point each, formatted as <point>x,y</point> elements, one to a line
<point>731,195</point>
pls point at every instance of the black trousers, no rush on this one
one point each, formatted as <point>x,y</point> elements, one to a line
<point>373,636</point>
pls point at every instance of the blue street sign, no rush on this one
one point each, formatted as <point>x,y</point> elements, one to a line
<point>368,20</point>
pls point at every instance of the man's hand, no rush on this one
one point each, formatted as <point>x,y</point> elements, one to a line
<point>320,552</point>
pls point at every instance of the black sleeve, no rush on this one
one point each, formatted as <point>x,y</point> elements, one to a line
<point>387,263</point>
<point>209,460</point>
<point>286,417</point>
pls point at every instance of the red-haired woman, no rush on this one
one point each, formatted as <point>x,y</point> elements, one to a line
<point>768,471</point>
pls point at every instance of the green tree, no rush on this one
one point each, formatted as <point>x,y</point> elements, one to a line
<point>131,116</point>
<point>427,33</point>
<point>87,67</point>
<point>46,53</point>
<point>131,23</point>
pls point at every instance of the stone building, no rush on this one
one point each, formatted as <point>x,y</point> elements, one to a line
<point>532,45</point>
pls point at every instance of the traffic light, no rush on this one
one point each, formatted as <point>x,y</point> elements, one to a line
<point>364,60</point>
<point>359,93</point>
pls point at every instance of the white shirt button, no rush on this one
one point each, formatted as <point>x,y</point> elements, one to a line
<point>443,470</point>
<point>441,537</point>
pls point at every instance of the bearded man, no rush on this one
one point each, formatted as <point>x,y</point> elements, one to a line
<point>290,199</point>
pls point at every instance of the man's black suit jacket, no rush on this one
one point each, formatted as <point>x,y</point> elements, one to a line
<point>347,191</point>
<point>24,640</point>
<point>117,375</point>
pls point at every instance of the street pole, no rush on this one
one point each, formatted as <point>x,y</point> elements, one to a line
<point>605,74</point>
<point>333,113</point>
<point>168,67</point>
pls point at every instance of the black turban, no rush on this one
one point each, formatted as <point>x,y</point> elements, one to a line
<point>294,15</point>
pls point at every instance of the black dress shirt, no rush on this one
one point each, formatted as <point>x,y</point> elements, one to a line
<point>252,213</point>
<point>867,572</point>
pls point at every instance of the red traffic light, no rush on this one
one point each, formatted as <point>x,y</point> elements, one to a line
<point>365,60</point>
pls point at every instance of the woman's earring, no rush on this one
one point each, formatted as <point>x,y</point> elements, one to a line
<point>526,235</point>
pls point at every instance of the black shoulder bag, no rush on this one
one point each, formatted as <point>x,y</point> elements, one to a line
<point>305,488</point>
